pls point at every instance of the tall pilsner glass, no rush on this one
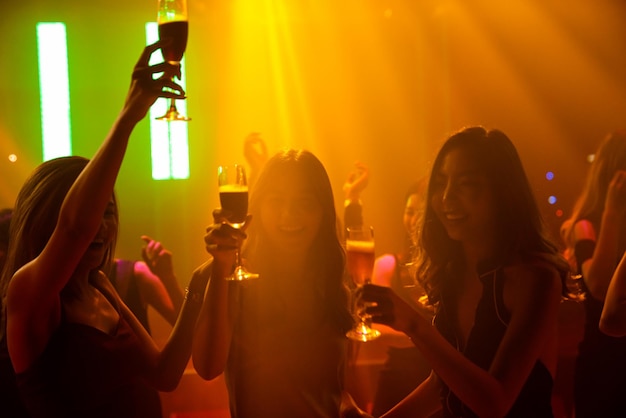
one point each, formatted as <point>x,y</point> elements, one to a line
<point>173,26</point>
<point>360,257</point>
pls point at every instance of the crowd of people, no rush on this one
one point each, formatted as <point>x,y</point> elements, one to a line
<point>474,294</point>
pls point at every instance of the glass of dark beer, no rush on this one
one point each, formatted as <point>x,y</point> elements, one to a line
<point>360,258</point>
<point>174,26</point>
<point>233,190</point>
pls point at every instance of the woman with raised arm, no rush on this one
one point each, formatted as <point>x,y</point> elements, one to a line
<point>76,349</point>
<point>280,339</point>
<point>496,282</point>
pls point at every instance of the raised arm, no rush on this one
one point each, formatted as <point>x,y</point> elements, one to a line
<point>255,153</point>
<point>214,330</point>
<point>170,362</point>
<point>33,296</point>
<point>354,185</point>
<point>156,279</point>
<point>613,319</point>
<point>598,269</point>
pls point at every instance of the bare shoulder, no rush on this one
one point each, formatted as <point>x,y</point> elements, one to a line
<point>144,274</point>
<point>384,268</point>
<point>537,268</point>
<point>536,278</point>
<point>584,230</point>
<point>140,267</point>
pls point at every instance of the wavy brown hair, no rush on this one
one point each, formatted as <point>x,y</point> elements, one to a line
<point>520,229</point>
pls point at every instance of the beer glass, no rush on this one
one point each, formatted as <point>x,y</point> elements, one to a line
<point>173,25</point>
<point>360,257</point>
<point>233,190</point>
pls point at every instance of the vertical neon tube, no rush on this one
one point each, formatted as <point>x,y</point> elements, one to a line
<point>54,90</point>
<point>169,140</point>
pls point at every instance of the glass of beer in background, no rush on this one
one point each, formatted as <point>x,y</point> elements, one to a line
<point>360,258</point>
<point>233,190</point>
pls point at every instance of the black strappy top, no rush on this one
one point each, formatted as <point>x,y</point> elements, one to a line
<point>490,324</point>
<point>84,372</point>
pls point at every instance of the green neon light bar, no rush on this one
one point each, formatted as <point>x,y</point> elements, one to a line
<point>54,90</point>
<point>169,140</point>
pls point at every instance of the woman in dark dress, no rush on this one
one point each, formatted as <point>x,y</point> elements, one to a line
<point>76,349</point>
<point>496,283</point>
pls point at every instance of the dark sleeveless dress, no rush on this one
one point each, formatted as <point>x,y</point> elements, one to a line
<point>490,323</point>
<point>11,405</point>
<point>84,372</point>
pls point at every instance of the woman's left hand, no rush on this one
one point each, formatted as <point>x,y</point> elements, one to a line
<point>387,308</point>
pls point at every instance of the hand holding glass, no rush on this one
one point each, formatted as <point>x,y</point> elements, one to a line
<point>173,26</point>
<point>360,258</point>
<point>233,190</point>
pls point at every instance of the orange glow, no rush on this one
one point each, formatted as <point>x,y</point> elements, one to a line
<point>379,81</point>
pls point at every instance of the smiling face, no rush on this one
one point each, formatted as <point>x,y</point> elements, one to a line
<point>462,199</point>
<point>101,246</point>
<point>291,215</point>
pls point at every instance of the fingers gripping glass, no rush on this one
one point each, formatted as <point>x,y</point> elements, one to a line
<point>360,258</point>
<point>174,26</point>
<point>233,190</point>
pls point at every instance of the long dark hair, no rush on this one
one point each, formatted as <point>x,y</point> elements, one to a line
<point>326,258</point>
<point>36,213</point>
<point>520,228</point>
<point>609,158</point>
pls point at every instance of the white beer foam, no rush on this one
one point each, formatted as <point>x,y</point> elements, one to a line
<point>232,188</point>
<point>362,246</point>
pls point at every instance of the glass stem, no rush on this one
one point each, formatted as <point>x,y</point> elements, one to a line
<point>238,255</point>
